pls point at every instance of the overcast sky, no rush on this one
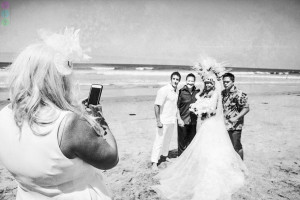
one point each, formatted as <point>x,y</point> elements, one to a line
<point>246,33</point>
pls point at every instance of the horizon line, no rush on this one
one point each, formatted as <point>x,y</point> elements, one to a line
<point>169,65</point>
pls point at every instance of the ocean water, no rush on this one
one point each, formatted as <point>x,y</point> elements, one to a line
<point>131,78</point>
<point>145,80</point>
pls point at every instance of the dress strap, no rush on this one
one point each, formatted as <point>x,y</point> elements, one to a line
<point>61,128</point>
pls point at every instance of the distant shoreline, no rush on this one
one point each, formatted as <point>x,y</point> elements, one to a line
<point>112,66</point>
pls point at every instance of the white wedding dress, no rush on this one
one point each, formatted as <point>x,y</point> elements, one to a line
<point>209,169</point>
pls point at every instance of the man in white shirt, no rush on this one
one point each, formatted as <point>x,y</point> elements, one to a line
<point>166,113</point>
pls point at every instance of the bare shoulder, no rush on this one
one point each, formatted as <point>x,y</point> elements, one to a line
<point>77,122</point>
<point>77,129</point>
<point>81,140</point>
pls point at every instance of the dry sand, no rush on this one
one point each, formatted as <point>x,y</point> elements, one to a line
<point>271,142</point>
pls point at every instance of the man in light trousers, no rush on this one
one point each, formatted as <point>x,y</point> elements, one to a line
<point>166,113</point>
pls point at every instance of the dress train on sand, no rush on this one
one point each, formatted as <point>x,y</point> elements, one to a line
<point>209,169</point>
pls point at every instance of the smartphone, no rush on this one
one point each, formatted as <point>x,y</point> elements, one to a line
<point>95,94</point>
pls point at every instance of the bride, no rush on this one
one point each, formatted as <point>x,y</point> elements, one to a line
<point>209,169</point>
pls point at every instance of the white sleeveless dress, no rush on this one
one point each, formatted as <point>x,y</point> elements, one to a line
<point>209,169</point>
<point>41,169</point>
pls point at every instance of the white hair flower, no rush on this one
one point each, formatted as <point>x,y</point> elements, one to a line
<point>208,67</point>
<point>67,46</point>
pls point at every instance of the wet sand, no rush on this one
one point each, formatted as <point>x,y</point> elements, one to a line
<point>271,142</point>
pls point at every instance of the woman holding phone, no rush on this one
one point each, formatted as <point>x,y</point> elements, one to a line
<point>49,143</point>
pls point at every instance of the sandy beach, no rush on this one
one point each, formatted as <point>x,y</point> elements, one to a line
<point>131,48</point>
<point>270,138</point>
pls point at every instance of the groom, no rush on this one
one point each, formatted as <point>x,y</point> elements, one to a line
<point>235,106</point>
<point>185,98</point>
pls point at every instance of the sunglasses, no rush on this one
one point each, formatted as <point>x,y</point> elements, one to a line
<point>70,64</point>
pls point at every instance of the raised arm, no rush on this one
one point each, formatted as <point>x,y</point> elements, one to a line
<point>80,140</point>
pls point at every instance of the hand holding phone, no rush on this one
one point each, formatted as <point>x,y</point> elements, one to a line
<point>95,94</point>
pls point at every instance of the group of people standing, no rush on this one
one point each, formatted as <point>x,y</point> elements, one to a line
<point>210,153</point>
<point>172,108</point>
<point>52,145</point>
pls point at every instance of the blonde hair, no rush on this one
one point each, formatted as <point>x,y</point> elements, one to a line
<point>35,83</point>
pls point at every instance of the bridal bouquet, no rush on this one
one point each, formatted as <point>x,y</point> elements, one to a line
<point>202,108</point>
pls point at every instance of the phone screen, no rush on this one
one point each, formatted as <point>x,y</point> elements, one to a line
<point>95,94</point>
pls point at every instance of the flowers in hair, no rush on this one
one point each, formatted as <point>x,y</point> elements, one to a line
<point>67,46</point>
<point>208,67</point>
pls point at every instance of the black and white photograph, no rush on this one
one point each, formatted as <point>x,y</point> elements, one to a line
<point>150,100</point>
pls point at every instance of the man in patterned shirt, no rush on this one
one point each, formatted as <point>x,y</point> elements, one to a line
<point>235,105</point>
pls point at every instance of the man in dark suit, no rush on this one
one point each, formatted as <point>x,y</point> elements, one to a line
<point>185,98</point>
